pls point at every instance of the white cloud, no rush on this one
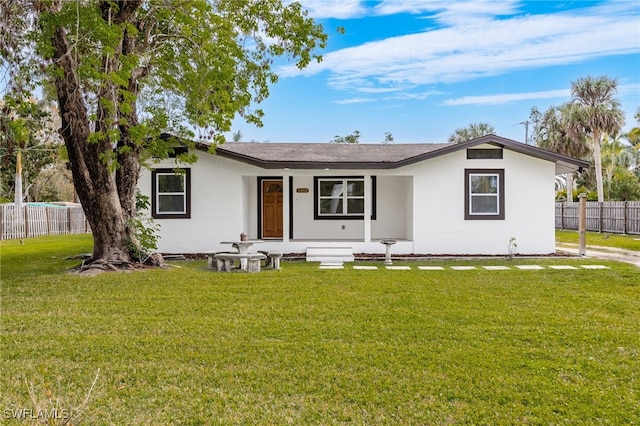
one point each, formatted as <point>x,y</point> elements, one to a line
<point>503,98</point>
<point>420,96</point>
<point>355,101</point>
<point>447,11</point>
<point>468,49</point>
<point>340,9</point>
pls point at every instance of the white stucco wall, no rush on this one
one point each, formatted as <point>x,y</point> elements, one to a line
<point>440,226</point>
<point>394,208</point>
<point>421,204</point>
<point>219,207</point>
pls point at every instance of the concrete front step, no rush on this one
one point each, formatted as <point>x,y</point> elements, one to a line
<point>330,254</point>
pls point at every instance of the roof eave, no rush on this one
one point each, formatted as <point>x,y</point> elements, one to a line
<point>305,165</point>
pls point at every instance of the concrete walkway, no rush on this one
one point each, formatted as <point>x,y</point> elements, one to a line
<point>600,252</point>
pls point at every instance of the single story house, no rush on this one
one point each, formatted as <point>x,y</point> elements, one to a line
<point>471,198</point>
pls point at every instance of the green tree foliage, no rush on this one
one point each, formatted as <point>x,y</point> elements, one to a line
<point>25,130</point>
<point>620,183</point>
<point>634,140</point>
<point>472,131</point>
<point>124,72</point>
<point>556,130</point>
<point>352,138</point>
<point>598,113</point>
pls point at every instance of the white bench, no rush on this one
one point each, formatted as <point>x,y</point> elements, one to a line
<point>211,258</point>
<point>225,261</point>
<point>273,258</point>
<point>328,255</point>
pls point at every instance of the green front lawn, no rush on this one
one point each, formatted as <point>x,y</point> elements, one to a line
<point>306,346</point>
<point>625,242</point>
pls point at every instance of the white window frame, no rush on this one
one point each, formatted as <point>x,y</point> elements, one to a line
<point>185,212</point>
<point>343,196</point>
<point>498,174</point>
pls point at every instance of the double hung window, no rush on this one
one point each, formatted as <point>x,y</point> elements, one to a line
<point>339,198</point>
<point>170,197</point>
<point>484,194</point>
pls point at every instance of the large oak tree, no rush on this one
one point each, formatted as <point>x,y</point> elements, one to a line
<point>123,72</point>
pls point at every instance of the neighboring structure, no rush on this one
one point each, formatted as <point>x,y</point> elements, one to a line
<point>459,199</point>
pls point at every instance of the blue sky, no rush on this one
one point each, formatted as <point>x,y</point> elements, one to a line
<point>420,69</point>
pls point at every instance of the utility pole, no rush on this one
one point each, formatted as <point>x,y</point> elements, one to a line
<point>526,131</point>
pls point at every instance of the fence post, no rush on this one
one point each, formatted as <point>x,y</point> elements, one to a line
<point>600,218</point>
<point>624,218</point>
<point>562,215</point>
<point>582,224</point>
<point>26,221</point>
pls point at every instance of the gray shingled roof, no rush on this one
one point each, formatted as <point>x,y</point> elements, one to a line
<point>371,156</point>
<point>346,155</point>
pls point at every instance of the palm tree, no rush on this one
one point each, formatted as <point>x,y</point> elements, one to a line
<point>472,131</point>
<point>558,131</point>
<point>599,113</point>
<point>616,157</point>
<point>634,134</point>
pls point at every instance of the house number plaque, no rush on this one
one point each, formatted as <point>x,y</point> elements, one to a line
<point>302,190</point>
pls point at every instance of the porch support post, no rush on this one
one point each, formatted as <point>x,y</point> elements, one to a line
<point>286,207</point>
<point>368,195</point>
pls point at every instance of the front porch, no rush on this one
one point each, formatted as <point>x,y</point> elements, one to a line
<point>287,212</point>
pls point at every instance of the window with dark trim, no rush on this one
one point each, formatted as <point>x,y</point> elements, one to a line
<point>177,151</point>
<point>484,154</point>
<point>171,194</point>
<point>484,194</point>
<point>339,197</point>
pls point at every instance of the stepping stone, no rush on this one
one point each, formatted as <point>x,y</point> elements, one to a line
<point>463,268</point>
<point>431,268</point>
<point>497,268</point>
<point>594,267</point>
<point>328,265</point>
<point>563,267</point>
<point>365,268</point>
<point>399,268</point>
<point>529,267</point>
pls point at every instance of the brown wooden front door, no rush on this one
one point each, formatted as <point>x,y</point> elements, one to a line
<point>271,209</point>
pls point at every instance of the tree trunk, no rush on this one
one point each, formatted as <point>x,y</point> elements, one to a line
<point>597,158</point>
<point>569,177</point>
<point>93,180</point>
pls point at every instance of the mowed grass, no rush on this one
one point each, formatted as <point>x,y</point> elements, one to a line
<point>625,242</point>
<point>307,346</point>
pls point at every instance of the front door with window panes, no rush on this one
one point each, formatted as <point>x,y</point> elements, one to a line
<point>272,209</point>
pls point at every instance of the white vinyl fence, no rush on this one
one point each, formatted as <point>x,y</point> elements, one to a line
<point>616,217</point>
<point>37,220</point>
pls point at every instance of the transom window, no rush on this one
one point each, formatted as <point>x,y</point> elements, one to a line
<point>340,197</point>
<point>482,154</point>
<point>171,194</point>
<point>484,194</point>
